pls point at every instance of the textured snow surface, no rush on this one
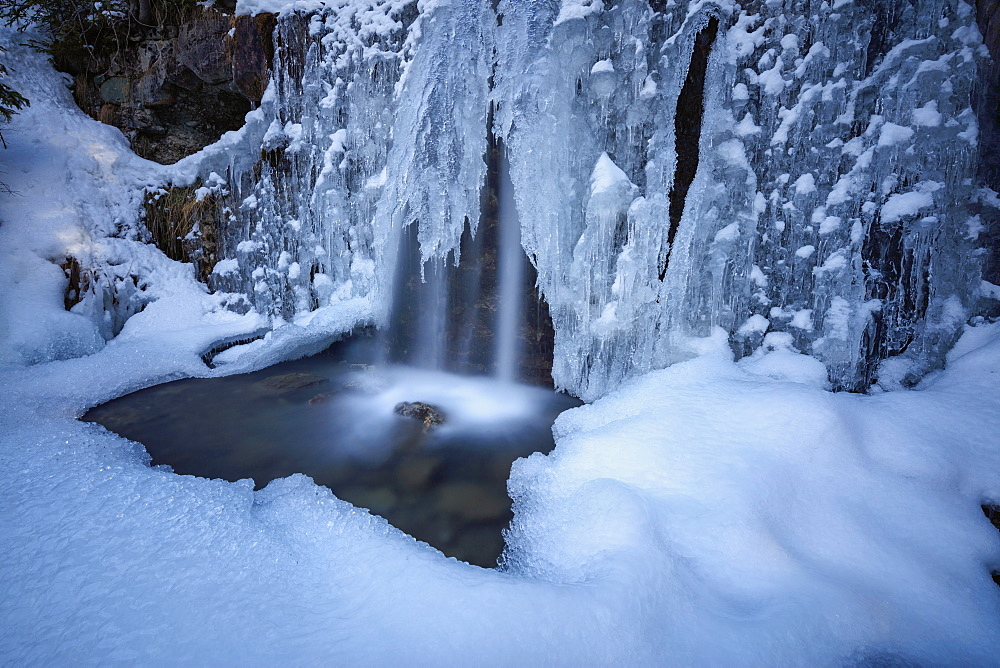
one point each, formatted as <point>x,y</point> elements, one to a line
<point>78,191</point>
<point>709,513</point>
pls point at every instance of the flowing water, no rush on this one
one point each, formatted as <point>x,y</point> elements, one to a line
<point>332,416</point>
<point>418,423</point>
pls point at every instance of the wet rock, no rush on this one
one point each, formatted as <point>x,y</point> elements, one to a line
<point>115,90</point>
<point>418,410</point>
<point>292,381</point>
<point>472,502</point>
<point>183,78</point>
<point>361,367</point>
<point>253,51</point>
<point>366,382</point>
<point>149,74</point>
<point>179,75</point>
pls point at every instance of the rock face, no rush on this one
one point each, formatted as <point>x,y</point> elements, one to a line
<point>179,85</point>
<point>253,52</point>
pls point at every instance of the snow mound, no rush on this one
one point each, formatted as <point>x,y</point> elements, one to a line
<point>747,521</point>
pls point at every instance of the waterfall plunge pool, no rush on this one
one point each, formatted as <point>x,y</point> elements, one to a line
<point>333,417</point>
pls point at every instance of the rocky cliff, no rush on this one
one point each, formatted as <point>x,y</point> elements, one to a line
<point>176,85</point>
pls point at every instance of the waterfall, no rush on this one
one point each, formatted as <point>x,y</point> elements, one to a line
<point>417,331</point>
<point>510,283</point>
<point>469,316</point>
<point>794,213</point>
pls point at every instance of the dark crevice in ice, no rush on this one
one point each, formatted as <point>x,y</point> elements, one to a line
<point>687,126</point>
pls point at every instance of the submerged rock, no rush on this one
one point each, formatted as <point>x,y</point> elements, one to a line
<point>322,398</point>
<point>292,381</point>
<point>365,380</point>
<point>418,410</point>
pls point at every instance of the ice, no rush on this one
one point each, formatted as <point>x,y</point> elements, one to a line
<point>374,120</point>
<point>775,126</point>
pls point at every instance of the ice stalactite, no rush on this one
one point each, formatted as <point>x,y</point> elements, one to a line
<point>301,232</point>
<point>436,169</point>
<point>864,152</point>
<point>587,98</point>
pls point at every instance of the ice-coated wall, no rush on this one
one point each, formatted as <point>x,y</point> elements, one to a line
<point>377,118</point>
<point>827,210</point>
<point>795,172</point>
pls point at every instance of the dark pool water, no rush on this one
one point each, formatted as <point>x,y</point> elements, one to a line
<point>331,416</point>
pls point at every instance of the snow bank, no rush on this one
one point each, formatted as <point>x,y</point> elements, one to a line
<point>742,520</point>
<point>704,514</point>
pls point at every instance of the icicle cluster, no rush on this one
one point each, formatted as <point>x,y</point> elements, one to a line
<point>827,210</point>
<point>793,171</point>
<point>377,119</point>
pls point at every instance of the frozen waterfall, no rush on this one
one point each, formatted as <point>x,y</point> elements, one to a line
<point>794,172</point>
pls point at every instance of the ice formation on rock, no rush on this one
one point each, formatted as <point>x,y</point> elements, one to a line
<point>377,119</point>
<point>787,167</point>
<point>843,128</point>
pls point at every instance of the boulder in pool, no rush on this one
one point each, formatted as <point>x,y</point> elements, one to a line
<point>418,410</point>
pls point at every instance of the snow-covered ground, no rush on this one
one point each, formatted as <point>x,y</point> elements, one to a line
<point>710,513</point>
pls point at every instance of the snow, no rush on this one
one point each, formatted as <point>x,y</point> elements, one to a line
<point>905,205</point>
<point>709,513</point>
<point>829,224</point>
<point>747,127</point>
<point>802,319</point>
<point>805,184</point>
<point>754,324</point>
<point>602,66</point>
<point>927,115</point>
<point>744,550</point>
<point>805,252</point>
<point>578,9</point>
<point>223,267</point>
<point>893,134</point>
<point>989,290</point>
